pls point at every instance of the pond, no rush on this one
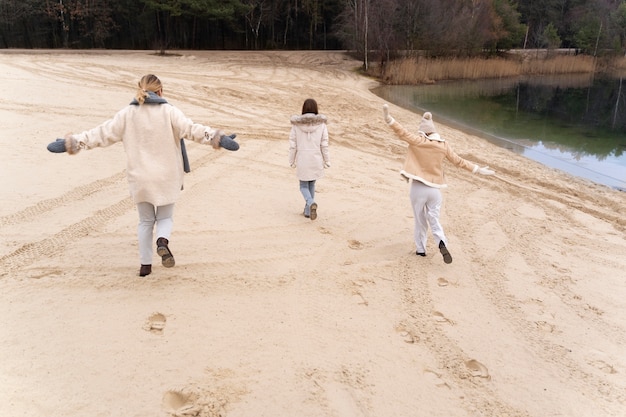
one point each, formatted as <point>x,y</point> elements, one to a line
<point>573,123</point>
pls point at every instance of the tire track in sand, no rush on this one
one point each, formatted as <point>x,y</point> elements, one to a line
<point>453,363</point>
<point>79,193</point>
<point>31,252</point>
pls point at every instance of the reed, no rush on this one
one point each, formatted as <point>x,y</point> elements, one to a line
<point>616,67</point>
<point>421,70</point>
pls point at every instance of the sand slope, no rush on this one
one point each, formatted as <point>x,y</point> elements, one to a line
<point>268,313</point>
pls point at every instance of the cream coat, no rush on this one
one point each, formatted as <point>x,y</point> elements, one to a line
<point>424,159</point>
<point>151,136</point>
<point>308,146</point>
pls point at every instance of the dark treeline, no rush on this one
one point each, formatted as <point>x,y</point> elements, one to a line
<point>439,27</point>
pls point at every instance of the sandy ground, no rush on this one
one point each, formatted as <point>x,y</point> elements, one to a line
<point>266,312</point>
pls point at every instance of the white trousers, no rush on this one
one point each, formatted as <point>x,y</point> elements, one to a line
<point>149,215</point>
<point>426,202</point>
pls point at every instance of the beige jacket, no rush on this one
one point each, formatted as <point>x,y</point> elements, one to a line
<point>424,159</point>
<point>151,136</point>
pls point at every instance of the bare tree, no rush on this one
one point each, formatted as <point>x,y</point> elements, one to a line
<point>384,15</point>
<point>355,19</point>
<point>257,12</point>
<point>56,10</point>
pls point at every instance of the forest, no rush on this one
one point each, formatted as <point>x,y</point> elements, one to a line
<point>384,27</point>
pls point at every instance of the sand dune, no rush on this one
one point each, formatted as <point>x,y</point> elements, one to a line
<point>266,312</point>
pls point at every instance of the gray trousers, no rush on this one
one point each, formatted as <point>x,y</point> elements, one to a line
<point>426,202</point>
<point>150,215</point>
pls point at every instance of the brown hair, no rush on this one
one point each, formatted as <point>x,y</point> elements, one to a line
<point>147,83</point>
<point>309,106</point>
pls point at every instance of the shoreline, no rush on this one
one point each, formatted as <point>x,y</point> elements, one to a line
<point>561,159</point>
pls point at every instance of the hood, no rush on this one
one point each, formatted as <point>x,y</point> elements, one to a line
<point>309,121</point>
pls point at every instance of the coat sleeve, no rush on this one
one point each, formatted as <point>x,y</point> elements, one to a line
<point>405,135</point>
<point>458,161</point>
<point>103,135</point>
<point>293,146</point>
<point>324,145</point>
<point>185,128</point>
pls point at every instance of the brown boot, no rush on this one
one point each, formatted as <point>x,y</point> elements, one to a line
<point>313,214</point>
<point>145,270</point>
<point>447,258</point>
<point>167,259</point>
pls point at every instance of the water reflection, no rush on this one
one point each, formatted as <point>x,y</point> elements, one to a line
<point>575,123</point>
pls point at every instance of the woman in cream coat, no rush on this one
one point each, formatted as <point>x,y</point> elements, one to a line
<point>151,131</point>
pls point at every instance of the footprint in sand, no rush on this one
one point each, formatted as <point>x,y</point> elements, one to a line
<point>443,282</point>
<point>438,316</point>
<point>477,369</point>
<point>355,244</point>
<point>603,366</point>
<point>545,326</point>
<point>177,404</point>
<point>155,323</point>
<point>436,378</point>
<point>408,337</point>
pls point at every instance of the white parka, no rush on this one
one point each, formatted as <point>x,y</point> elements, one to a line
<point>308,146</point>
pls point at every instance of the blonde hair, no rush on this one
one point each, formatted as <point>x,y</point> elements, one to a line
<point>147,83</point>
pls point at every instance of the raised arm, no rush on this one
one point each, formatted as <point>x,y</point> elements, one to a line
<point>399,130</point>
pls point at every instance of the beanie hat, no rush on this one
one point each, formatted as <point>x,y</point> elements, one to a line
<point>426,125</point>
<point>427,128</point>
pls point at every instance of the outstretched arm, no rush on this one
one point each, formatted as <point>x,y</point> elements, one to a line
<point>103,135</point>
<point>465,164</point>
<point>399,130</point>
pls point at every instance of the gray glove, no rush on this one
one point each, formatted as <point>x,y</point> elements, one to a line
<point>58,146</point>
<point>221,140</point>
<point>67,144</point>
<point>228,142</point>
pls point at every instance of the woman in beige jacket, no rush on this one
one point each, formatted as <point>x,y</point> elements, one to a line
<point>423,167</point>
<point>151,131</point>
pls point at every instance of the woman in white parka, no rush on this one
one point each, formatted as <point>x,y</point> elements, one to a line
<point>308,152</point>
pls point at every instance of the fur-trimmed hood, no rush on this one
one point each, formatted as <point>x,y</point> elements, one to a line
<point>308,119</point>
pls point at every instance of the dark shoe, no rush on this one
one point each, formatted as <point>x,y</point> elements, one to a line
<point>447,258</point>
<point>313,211</point>
<point>167,259</point>
<point>145,270</point>
<point>420,253</point>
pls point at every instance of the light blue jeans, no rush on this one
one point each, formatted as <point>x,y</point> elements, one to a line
<point>307,188</point>
<point>149,215</point>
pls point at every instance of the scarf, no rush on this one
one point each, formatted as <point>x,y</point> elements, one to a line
<point>153,98</point>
